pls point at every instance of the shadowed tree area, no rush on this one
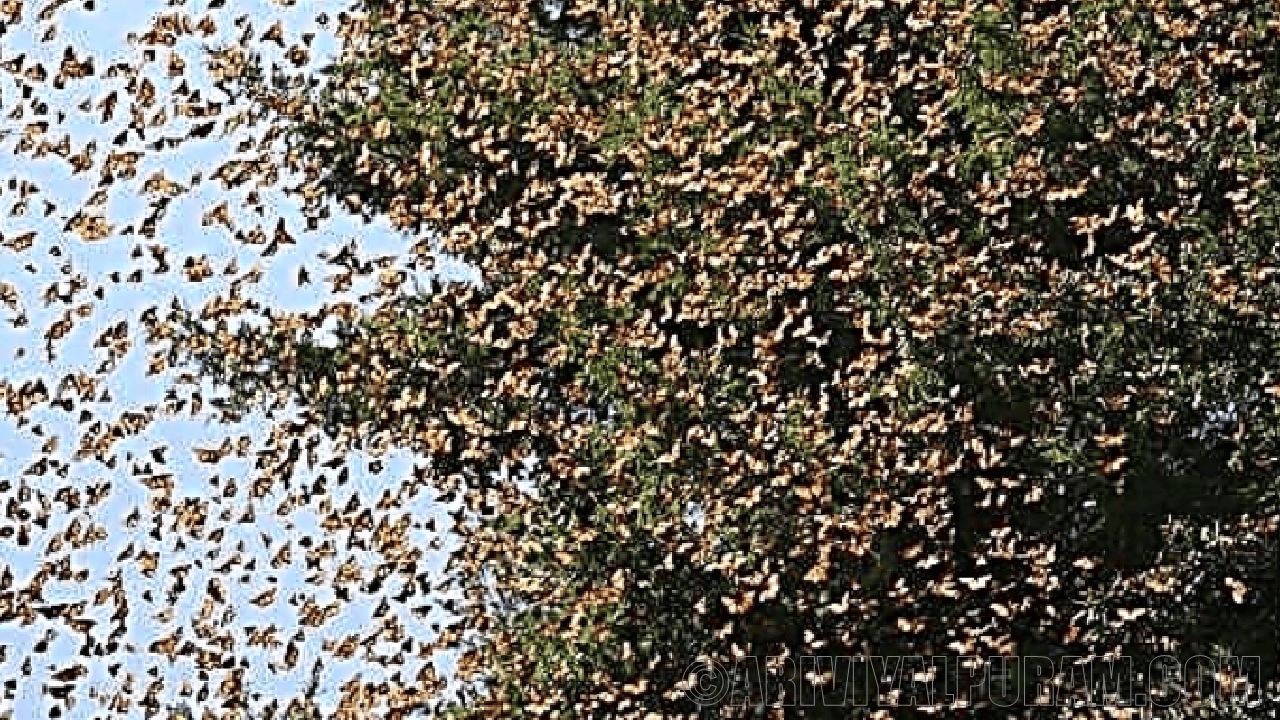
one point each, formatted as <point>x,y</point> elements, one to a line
<point>955,322</point>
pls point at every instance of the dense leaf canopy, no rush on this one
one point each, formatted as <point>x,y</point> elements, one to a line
<point>828,328</point>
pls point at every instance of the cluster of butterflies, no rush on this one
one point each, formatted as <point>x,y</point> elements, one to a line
<point>710,241</point>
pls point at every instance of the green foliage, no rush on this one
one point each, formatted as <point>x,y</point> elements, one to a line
<point>905,305</point>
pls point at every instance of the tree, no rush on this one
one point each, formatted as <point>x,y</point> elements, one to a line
<point>922,304</point>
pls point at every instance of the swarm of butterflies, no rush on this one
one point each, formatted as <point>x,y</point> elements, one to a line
<point>907,303</point>
<point>211,659</point>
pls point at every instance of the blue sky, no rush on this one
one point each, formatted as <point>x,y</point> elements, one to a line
<point>102,34</point>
